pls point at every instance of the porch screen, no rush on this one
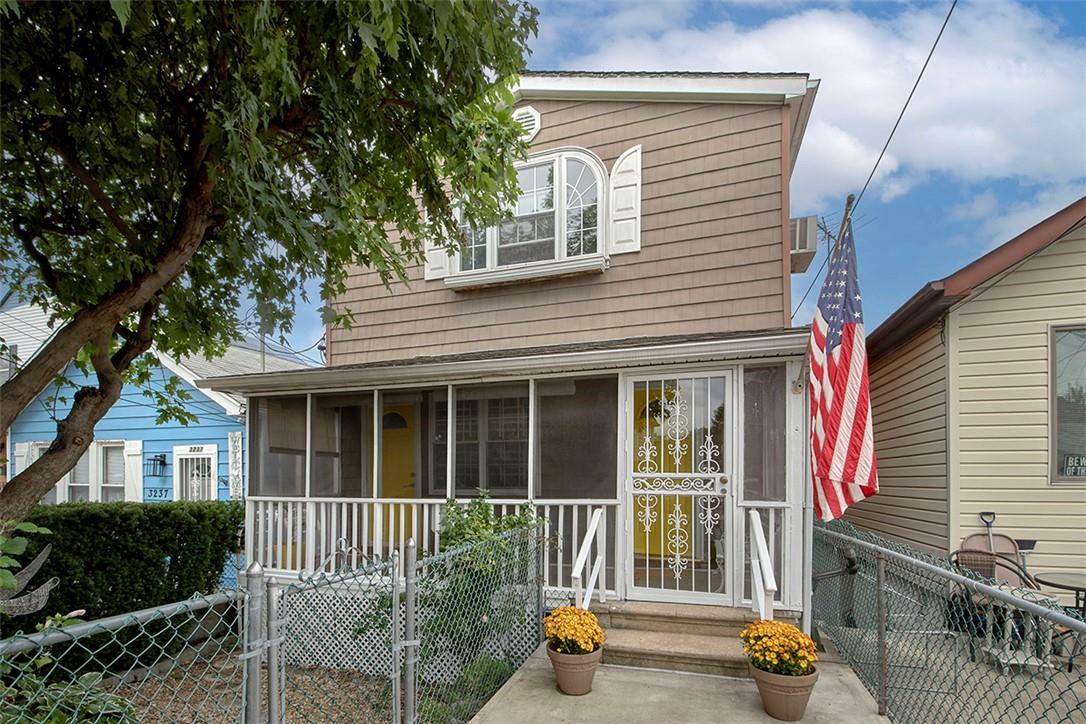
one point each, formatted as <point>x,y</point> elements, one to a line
<point>764,433</point>
<point>341,445</point>
<point>491,440</point>
<point>577,438</point>
<point>277,446</point>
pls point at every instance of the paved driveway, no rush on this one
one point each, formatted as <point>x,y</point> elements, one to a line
<point>623,695</point>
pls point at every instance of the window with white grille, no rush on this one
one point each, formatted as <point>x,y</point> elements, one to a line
<point>100,475</point>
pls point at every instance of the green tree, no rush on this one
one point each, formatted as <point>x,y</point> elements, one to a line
<point>163,160</point>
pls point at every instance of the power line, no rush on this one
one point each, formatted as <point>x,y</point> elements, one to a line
<point>885,146</point>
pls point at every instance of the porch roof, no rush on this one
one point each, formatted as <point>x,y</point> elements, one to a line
<point>519,362</point>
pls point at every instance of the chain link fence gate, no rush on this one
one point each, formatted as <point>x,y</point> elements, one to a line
<point>397,641</point>
<point>935,643</point>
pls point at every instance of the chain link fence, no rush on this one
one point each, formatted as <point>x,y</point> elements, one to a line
<point>332,643</point>
<point>364,643</point>
<point>934,642</point>
<point>178,662</point>
<point>477,616</point>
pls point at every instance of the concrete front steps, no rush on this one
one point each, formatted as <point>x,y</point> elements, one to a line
<point>674,636</point>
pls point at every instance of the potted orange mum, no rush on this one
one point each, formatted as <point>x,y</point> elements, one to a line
<point>782,664</point>
<point>575,647</point>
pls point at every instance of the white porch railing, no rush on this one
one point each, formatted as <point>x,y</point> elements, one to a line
<point>763,582</point>
<point>296,534</point>
<point>597,531</point>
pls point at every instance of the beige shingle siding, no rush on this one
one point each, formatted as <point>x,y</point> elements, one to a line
<point>711,257</point>
<point>908,399</point>
<point>1002,403</point>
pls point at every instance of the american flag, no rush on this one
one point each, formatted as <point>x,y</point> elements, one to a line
<point>842,445</point>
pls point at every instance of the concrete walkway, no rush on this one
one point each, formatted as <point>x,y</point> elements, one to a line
<point>622,695</point>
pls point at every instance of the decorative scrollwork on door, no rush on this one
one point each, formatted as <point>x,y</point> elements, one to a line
<point>647,511</point>
<point>678,540</point>
<point>676,425</point>
<point>675,485</point>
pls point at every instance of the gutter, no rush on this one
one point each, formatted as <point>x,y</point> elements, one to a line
<point>783,344</point>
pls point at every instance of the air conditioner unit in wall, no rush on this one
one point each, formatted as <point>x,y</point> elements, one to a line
<point>804,242</point>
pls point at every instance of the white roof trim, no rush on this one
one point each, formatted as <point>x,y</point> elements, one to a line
<point>731,89</point>
<point>784,343</point>
<point>229,404</point>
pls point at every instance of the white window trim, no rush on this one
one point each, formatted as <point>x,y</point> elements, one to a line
<point>95,477</point>
<point>1053,452</point>
<point>561,264</point>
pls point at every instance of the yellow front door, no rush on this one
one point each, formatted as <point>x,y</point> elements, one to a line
<point>399,440</point>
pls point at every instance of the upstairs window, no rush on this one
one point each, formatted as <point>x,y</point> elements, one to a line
<point>556,217</point>
<point>570,217</point>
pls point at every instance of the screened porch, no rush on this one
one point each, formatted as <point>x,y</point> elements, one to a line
<point>367,470</point>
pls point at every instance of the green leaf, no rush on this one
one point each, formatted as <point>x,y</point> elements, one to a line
<point>8,581</point>
<point>14,546</point>
<point>122,9</point>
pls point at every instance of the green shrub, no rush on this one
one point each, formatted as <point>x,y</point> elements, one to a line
<point>114,558</point>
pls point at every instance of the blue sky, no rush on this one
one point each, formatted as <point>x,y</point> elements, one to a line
<point>993,142</point>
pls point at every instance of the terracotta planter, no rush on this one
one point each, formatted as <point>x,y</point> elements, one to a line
<point>784,697</point>
<point>575,671</point>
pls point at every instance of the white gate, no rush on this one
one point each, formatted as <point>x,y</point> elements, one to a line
<point>680,512</point>
<point>195,472</point>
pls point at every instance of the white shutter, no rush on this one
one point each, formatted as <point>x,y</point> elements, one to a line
<point>625,206</point>
<point>437,260</point>
<point>133,471</point>
<point>22,457</point>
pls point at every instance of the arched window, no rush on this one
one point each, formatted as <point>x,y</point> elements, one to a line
<point>557,216</point>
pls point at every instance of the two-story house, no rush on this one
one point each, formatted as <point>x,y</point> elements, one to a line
<point>621,342</point>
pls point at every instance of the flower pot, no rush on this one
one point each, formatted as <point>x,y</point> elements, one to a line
<point>574,672</point>
<point>784,697</point>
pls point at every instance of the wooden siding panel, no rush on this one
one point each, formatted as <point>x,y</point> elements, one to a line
<point>711,259</point>
<point>908,401</point>
<point>1004,405</point>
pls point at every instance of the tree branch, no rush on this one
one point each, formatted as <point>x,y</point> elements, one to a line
<point>48,273</point>
<point>60,142</point>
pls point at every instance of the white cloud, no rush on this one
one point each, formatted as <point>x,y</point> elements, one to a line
<point>1003,98</point>
<point>1006,222</point>
<point>978,207</point>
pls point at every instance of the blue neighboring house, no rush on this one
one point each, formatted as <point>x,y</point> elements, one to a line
<point>132,457</point>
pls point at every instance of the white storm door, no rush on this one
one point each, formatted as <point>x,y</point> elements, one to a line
<point>195,472</point>
<point>679,506</point>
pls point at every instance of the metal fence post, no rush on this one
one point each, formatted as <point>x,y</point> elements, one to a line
<point>410,632</point>
<point>880,628</point>
<point>254,640</point>
<point>394,573</point>
<point>274,662</point>
<point>540,542</point>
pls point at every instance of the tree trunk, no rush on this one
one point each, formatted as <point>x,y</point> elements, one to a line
<point>76,431</point>
<point>18,392</point>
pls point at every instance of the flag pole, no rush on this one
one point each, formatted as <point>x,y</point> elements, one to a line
<point>844,219</point>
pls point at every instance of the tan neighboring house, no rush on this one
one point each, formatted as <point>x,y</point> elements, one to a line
<point>621,344</point>
<point>978,389</point>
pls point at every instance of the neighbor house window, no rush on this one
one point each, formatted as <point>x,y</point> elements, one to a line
<point>98,475</point>
<point>1068,413</point>
<point>556,217</point>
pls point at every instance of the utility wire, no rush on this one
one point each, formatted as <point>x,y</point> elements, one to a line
<point>882,153</point>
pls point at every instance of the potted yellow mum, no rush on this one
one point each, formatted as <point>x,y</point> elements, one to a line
<point>782,664</point>
<point>575,647</point>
